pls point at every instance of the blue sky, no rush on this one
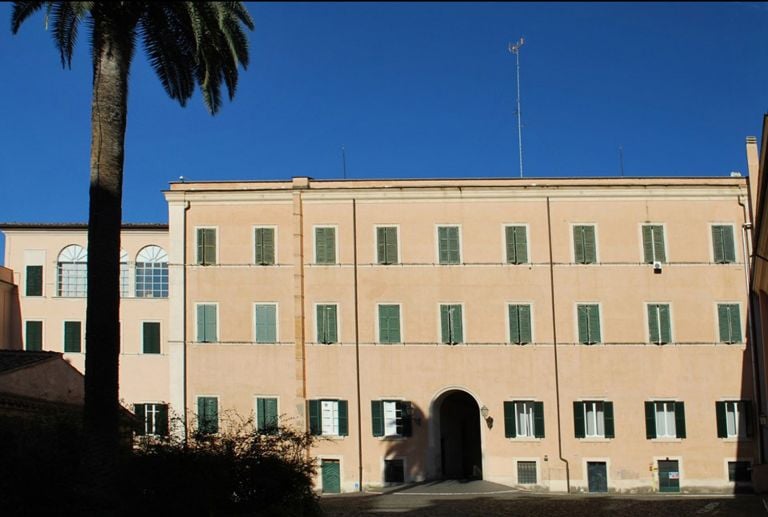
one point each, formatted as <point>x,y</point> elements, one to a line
<point>411,90</point>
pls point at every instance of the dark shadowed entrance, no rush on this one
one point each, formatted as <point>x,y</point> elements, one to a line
<point>460,454</point>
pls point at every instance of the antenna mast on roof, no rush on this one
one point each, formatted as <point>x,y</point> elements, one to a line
<point>344,161</point>
<point>515,49</point>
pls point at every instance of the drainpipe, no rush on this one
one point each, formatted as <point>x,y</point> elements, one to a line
<point>357,354</point>
<point>746,232</point>
<point>554,342</point>
<point>184,321</point>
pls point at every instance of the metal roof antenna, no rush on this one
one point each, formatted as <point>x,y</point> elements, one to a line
<point>344,161</point>
<point>514,48</point>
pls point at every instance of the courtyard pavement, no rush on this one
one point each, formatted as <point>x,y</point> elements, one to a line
<point>483,498</point>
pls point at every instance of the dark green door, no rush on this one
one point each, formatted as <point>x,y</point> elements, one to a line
<point>597,476</point>
<point>669,476</point>
<point>331,476</point>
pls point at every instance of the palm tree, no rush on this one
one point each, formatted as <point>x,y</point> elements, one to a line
<point>188,44</point>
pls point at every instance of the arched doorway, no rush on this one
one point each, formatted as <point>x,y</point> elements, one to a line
<point>460,451</point>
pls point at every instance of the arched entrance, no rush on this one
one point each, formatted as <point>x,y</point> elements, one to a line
<point>460,451</point>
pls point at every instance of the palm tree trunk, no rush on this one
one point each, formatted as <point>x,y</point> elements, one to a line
<point>102,327</point>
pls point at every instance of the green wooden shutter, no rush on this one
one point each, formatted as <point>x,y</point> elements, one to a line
<point>653,323</point>
<point>206,323</point>
<point>524,312</point>
<point>72,336</point>
<point>717,244</point>
<point>207,415</point>
<point>265,246</point>
<point>729,251</point>
<point>206,246</point>
<point>343,418</point>
<point>315,425</point>
<point>509,235</point>
<point>406,416</point>
<point>139,411</point>
<point>735,322</point>
<point>377,417</point>
<point>680,419</point>
<point>746,406</point>
<point>445,336</point>
<point>201,246</point>
<point>33,335</point>
<point>648,244</point>
<point>521,245</point>
<point>448,245</point>
<point>451,324</point>
<point>722,427</point>
<point>665,324</point>
<point>266,323</point>
<point>658,244</point>
<point>266,417</point>
<point>325,245</point>
<point>389,323</point>
<point>151,337</point>
<point>458,324</point>
<point>538,419</point>
<point>650,420</point>
<point>583,323</point>
<point>161,422</point>
<point>327,331</point>
<point>514,324</point>
<point>201,323</point>
<point>510,430</point>
<point>594,324</point>
<point>578,420</point>
<point>261,414</point>
<point>723,323</point>
<point>386,245</point>
<point>608,419</point>
<point>590,246</point>
<point>34,281</point>
<point>578,244</point>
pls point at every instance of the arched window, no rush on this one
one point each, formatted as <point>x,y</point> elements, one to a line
<point>71,272</point>
<point>152,273</point>
<point>123,274</point>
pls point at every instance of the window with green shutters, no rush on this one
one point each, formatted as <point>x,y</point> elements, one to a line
<point>520,324</point>
<point>386,245</point>
<point>516,244</point>
<point>266,414</point>
<point>325,245</point>
<point>523,419</point>
<point>723,249</point>
<point>264,240</point>
<point>327,327</point>
<point>729,322</point>
<point>391,418</point>
<point>584,244</point>
<point>588,323</point>
<point>265,317</point>
<point>207,415</point>
<point>206,246</point>
<point>734,419</point>
<point>664,419</point>
<point>653,244</point>
<point>593,419</point>
<point>34,281</point>
<point>659,325</point>
<point>449,250</point>
<point>207,328</point>
<point>72,336</point>
<point>328,417</point>
<point>153,419</point>
<point>150,332</point>
<point>389,324</point>
<point>33,335</point>
<point>451,324</point>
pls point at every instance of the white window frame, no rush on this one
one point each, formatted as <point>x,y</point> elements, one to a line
<point>145,404</point>
<point>666,435</point>
<point>504,227</point>
<point>152,268</point>
<point>377,337</point>
<point>253,244</point>
<point>59,285</point>
<point>218,324</point>
<point>464,340</point>
<point>536,460</point>
<point>530,418</point>
<point>216,259</point>
<point>141,333</point>
<point>598,420</point>
<point>739,423</point>
<point>573,244</point>
<point>335,243</point>
<point>338,322</point>
<point>277,322</point>
<point>509,323</point>
<point>437,243</point>
<point>334,427</point>
<point>376,244</point>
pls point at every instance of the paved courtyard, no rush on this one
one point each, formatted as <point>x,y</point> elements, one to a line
<point>481,498</point>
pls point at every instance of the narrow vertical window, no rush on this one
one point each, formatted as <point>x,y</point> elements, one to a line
<point>659,326</point>
<point>449,247</point>
<point>152,273</point>
<point>124,272</point>
<point>520,324</point>
<point>589,323</point>
<point>723,244</point>
<point>653,243</point>
<point>389,324</point>
<point>154,419</point>
<point>207,331</point>
<point>325,245</point>
<point>72,272</point>
<point>266,323</point>
<point>206,246</point>
<point>386,245</point>
<point>584,245</point>
<point>327,331</point>
<point>72,336</point>
<point>451,326</point>
<point>33,335</point>
<point>264,239</point>
<point>34,281</point>
<point>207,415</point>
<point>150,337</point>
<point>517,244</point>
<point>729,322</point>
<point>266,414</point>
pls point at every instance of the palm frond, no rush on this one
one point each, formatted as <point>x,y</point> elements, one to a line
<point>65,22</point>
<point>21,11</point>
